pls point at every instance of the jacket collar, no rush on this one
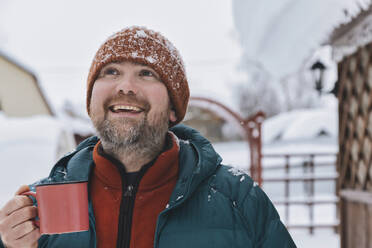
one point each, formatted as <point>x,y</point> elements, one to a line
<point>198,161</point>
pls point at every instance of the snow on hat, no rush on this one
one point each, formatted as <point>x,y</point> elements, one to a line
<point>144,46</point>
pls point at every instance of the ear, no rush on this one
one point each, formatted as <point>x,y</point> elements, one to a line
<point>172,116</point>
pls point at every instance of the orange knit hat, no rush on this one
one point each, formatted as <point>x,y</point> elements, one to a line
<point>141,45</point>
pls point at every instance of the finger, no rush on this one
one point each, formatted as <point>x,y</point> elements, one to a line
<point>21,230</point>
<point>29,240</point>
<point>22,189</point>
<point>17,202</point>
<point>32,238</point>
<point>20,216</point>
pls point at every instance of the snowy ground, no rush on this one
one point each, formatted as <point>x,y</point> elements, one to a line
<point>28,149</point>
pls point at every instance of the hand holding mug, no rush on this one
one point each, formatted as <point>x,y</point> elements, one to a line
<point>16,226</point>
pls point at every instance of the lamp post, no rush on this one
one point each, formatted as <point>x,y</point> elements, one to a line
<point>318,69</point>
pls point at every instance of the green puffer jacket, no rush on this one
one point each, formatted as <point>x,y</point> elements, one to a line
<point>212,205</point>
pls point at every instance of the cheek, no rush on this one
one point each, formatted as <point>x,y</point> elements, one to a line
<point>160,103</point>
<point>159,95</point>
<point>96,101</point>
<point>158,99</point>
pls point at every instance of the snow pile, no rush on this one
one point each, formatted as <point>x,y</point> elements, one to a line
<point>28,149</point>
<point>303,124</point>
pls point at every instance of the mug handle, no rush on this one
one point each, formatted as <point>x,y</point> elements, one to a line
<point>33,194</point>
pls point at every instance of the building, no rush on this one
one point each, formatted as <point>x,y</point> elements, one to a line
<point>26,114</point>
<point>206,122</point>
<point>20,94</point>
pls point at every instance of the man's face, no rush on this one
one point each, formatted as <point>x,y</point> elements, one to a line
<point>130,104</point>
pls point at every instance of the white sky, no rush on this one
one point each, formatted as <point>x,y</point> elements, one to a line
<point>58,39</point>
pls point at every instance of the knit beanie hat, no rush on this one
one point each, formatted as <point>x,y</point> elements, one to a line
<point>144,46</point>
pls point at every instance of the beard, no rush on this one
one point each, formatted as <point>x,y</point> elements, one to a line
<point>133,136</point>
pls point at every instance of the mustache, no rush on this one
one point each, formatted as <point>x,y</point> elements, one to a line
<point>127,98</point>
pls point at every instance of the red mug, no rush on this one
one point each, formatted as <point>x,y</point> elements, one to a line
<point>62,207</point>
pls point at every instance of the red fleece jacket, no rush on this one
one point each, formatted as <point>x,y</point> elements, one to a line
<point>153,194</point>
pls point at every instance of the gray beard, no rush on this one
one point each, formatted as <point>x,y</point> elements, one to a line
<point>127,137</point>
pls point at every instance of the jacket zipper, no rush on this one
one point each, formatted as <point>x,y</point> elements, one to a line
<point>126,213</point>
<point>127,201</point>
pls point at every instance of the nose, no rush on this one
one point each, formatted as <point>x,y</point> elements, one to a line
<point>127,86</point>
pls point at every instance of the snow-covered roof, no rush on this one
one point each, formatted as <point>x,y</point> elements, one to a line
<point>17,64</point>
<point>281,35</point>
<point>83,127</point>
<point>348,37</point>
<point>75,116</point>
<point>305,124</point>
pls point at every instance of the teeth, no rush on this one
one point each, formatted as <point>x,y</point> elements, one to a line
<point>125,108</point>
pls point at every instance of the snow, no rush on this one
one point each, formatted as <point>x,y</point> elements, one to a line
<point>140,34</point>
<point>83,127</point>
<point>28,149</point>
<point>179,197</point>
<point>280,35</point>
<point>150,59</point>
<point>236,172</point>
<point>320,239</point>
<point>74,116</point>
<point>301,124</point>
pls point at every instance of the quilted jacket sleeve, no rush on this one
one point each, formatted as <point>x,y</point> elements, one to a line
<point>261,214</point>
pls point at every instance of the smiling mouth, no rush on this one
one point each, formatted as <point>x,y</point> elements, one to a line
<point>125,109</point>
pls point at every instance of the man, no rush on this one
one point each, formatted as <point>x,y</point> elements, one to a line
<point>149,186</point>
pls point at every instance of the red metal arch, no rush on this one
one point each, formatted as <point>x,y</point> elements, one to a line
<point>252,130</point>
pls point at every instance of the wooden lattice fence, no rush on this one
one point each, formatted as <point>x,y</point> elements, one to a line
<point>355,120</point>
<point>355,147</point>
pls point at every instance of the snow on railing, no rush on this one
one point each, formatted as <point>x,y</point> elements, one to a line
<point>309,178</point>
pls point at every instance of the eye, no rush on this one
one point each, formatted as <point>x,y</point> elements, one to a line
<point>110,71</point>
<point>148,73</point>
